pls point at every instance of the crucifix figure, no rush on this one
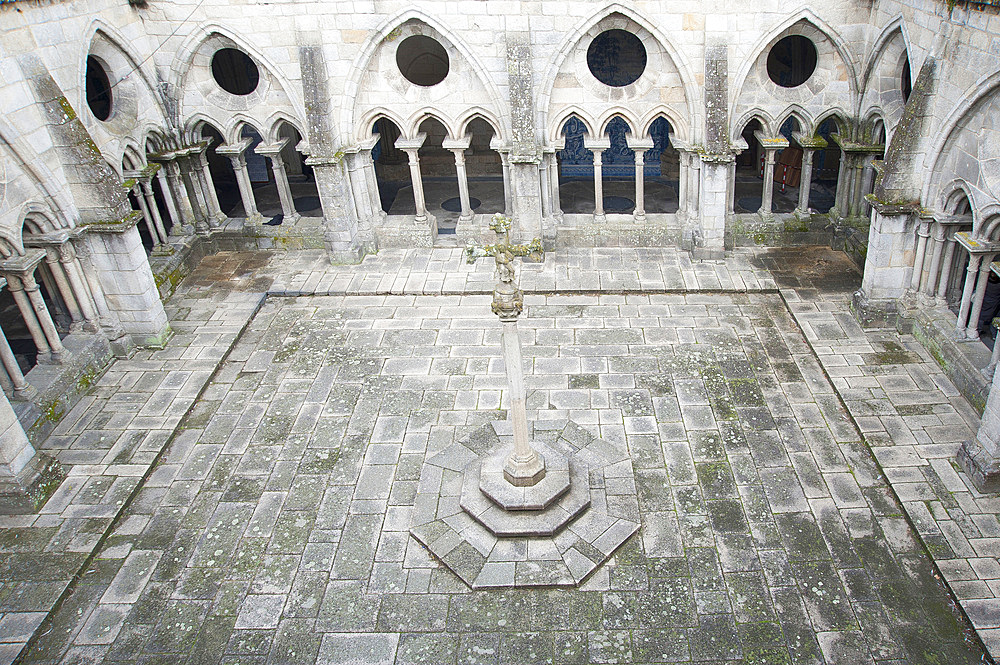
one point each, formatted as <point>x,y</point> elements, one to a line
<point>525,466</point>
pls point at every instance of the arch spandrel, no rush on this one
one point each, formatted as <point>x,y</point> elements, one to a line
<point>969,148</point>
<point>832,85</point>
<point>199,94</point>
<point>376,82</point>
<point>664,86</point>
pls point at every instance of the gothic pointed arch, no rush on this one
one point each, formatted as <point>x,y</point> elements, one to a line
<point>219,74</point>
<point>968,146</point>
<point>831,82</point>
<point>665,79</point>
<point>887,75</point>
<point>26,178</point>
<point>377,80</point>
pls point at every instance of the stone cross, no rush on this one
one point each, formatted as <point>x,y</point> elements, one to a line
<point>524,467</point>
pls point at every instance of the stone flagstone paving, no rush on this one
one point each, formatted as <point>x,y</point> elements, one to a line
<point>275,525</point>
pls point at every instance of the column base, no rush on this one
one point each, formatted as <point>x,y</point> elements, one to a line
<point>874,313</point>
<point>639,217</point>
<point>765,216</point>
<point>28,491</point>
<point>155,341</point>
<point>25,394</point>
<point>600,218</point>
<point>982,468</point>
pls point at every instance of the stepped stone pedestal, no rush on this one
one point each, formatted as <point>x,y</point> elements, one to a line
<point>555,533</point>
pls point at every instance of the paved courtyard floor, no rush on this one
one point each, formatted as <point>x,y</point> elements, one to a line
<point>246,495</point>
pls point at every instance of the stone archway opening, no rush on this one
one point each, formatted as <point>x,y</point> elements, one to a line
<point>484,167</point>
<point>161,191</point>
<point>618,169</point>
<point>826,168</point>
<point>391,170</point>
<point>134,193</point>
<point>265,192</point>
<point>221,167</point>
<point>576,170</point>
<point>787,169</point>
<point>438,175</point>
<point>748,192</point>
<point>301,180</point>
<point>662,170</point>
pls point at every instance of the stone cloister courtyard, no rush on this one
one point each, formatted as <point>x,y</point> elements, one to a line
<point>246,495</point>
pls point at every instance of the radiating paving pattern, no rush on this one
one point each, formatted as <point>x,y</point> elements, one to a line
<point>277,522</point>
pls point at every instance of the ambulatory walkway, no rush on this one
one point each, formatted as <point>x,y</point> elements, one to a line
<point>246,494</point>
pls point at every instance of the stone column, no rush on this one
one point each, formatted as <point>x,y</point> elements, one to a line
<point>81,294</point>
<point>928,284</point>
<point>941,296</point>
<point>340,229</point>
<point>27,478</point>
<point>972,271</point>
<point>273,152</point>
<point>457,147</point>
<point>21,389</point>
<point>371,182</point>
<point>147,216</point>
<point>24,305</point>
<point>412,147</point>
<point>19,271</point>
<point>78,262</point>
<point>771,147</point>
<point>809,145</point>
<point>368,211</point>
<point>598,146</point>
<point>176,223</point>
<point>554,186</point>
<point>543,186</point>
<point>923,232</point>
<point>235,154</point>
<point>190,175</point>
<point>63,286</point>
<point>180,195</point>
<point>126,281</point>
<point>980,457</point>
<point>526,197</point>
<point>505,163</point>
<point>640,146</point>
<point>714,201</point>
<point>683,168</point>
<point>972,329</point>
<point>216,216</point>
<point>146,183</point>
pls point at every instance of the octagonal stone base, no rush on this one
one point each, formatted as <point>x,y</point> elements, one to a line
<point>494,483</point>
<point>566,557</point>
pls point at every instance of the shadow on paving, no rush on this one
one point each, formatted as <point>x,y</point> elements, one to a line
<point>809,267</point>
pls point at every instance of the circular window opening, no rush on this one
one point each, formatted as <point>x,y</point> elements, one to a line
<point>616,58</point>
<point>791,61</point>
<point>905,82</point>
<point>422,60</point>
<point>98,89</point>
<point>235,71</point>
